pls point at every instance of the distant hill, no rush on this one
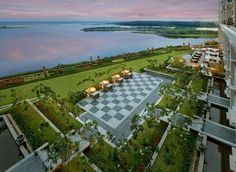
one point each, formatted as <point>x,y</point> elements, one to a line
<point>168,23</point>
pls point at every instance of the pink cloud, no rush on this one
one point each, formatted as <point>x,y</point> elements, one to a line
<point>110,9</point>
<point>16,55</point>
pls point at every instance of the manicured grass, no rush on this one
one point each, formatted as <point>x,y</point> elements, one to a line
<point>63,85</point>
<point>78,164</point>
<point>118,60</point>
<point>135,155</point>
<point>199,85</point>
<point>36,130</point>
<point>191,107</point>
<point>58,116</point>
<point>177,152</point>
<point>169,102</point>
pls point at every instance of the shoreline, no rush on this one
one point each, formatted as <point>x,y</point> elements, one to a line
<point>12,27</point>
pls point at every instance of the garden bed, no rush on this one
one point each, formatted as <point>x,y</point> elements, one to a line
<point>58,115</point>
<point>135,155</point>
<point>36,130</point>
<point>182,82</point>
<point>191,107</point>
<point>177,152</point>
<point>74,109</point>
<point>168,102</point>
<point>199,85</point>
<point>79,164</point>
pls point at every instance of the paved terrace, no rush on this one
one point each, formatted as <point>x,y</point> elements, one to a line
<point>114,110</point>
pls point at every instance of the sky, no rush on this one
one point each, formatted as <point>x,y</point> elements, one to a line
<point>108,10</point>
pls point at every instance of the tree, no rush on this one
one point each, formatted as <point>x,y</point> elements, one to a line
<point>152,63</point>
<point>2,97</point>
<point>58,68</point>
<point>62,149</point>
<point>45,72</point>
<point>134,122</point>
<point>41,90</point>
<point>16,96</point>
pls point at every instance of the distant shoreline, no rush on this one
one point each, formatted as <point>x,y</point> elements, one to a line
<point>168,32</point>
<point>12,27</point>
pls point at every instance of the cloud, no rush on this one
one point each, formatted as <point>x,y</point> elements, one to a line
<point>110,9</point>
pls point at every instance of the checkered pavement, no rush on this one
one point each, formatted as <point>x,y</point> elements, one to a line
<point>113,107</point>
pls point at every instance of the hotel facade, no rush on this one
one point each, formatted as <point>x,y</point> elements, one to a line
<point>227,41</point>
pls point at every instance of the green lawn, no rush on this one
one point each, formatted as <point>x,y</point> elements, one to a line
<point>36,130</point>
<point>190,108</point>
<point>63,85</point>
<point>177,152</point>
<point>58,116</point>
<point>199,85</point>
<point>129,157</point>
<point>78,164</point>
<point>169,103</point>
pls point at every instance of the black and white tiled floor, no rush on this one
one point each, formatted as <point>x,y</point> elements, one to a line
<point>113,107</point>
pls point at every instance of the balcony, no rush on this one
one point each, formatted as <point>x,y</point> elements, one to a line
<point>230,35</point>
<point>232,87</point>
<point>230,2</point>
<point>230,21</point>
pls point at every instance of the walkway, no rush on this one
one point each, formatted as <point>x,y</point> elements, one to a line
<point>213,130</point>
<point>216,100</point>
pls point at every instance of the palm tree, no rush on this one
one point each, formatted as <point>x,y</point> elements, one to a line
<point>46,91</point>
<point>62,149</point>
<point>58,68</point>
<point>16,96</point>
<point>134,122</point>
<point>2,97</point>
<point>45,72</point>
<point>98,59</point>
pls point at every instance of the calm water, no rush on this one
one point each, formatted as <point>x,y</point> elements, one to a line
<point>39,44</point>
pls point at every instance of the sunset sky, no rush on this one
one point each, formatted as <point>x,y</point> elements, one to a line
<point>109,9</point>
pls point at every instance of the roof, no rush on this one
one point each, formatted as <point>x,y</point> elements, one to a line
<point>33,162</point>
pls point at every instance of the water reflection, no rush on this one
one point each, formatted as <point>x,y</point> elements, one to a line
<point>30,48</point>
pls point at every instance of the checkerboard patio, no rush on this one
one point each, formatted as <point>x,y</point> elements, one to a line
<point>113,107</point>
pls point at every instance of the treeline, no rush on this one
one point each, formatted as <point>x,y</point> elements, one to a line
<point>167,23</point>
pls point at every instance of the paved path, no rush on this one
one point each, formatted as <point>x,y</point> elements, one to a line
<point>216,100</point>
<point>213,130</point>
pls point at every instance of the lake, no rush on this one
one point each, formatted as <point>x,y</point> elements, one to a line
<point>48,44</point>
